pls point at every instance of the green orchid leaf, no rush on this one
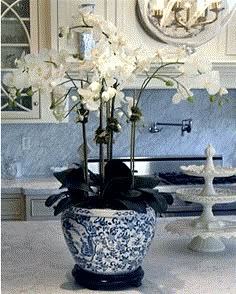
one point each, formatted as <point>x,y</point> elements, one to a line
<point>69,175</point>
<point>114,185</point>
<point>72,178</point>
<point>155,192</point>
<point>62,205</point>
<point>95,179</point>
<point>54,198</point>
<point>115,168</point>
<point>149,191</point>
<point>169,198</point>
<point>91,202</point>
<point>136,205</point>
<point>159,205</point>
<point>131,194</point>
<point>118,178</point>
<point>79,186</point>
<point>116,193</point>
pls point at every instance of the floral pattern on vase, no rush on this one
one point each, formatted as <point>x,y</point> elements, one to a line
<point>108,241</point>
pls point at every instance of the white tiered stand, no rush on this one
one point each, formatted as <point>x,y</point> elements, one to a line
<point>207,230</point>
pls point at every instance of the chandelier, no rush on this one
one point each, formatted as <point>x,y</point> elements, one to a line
<point>186,22</point>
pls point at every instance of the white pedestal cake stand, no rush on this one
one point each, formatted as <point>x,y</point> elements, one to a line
<point>207,230</point>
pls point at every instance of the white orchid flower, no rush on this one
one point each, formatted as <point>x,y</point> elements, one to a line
<point>196,65</point>
<point>143,64</point>
<point>95,87</point>
<point>211,82</point>
<point>59,111</point>
<point>22,80</point>
<point>118,41</point>
<point>108,94</point>
<point>90,98</point>
<point>38,76</point>
<point>9,80</point>
<point>58,58</point>
<point>29,58</point>
<point>223,91</point>
<point>91,105</point>
<point>59,92</point>
<point>182,94</point>
<point>74,98</point>
<point>85,93</point>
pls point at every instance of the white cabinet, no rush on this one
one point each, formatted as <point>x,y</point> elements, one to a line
<point>24,199</point>
<point>12,206</point>
<point>19,35</point>
<point>24,206</point>
<point>25,27</point>
<point>231,37</point>
<point>221,50</point>
<point>36,209</point>
<point>62,12</point>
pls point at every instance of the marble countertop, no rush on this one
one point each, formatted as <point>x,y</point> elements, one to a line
<point>36,260</point>
<point>30,185</point>
<point>40,185</point>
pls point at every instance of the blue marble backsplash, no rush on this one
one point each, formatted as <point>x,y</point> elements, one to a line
<point>57,144</point>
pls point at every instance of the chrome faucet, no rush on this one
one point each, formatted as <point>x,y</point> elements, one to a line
<point>186,126</point>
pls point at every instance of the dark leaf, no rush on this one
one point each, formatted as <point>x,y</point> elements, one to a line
<point>131,194</point>
<point>53,198</point>
<point>91,202</point>
<point>115,168</point>
<point>155,192</point>
<point>158,201</point>
<point>114,185</point>
<point>158,204</point>
<point>149,191</point>
<point>70,177</point>
<point>62,205</point>
<point>138,206</point>
<point>79,186</point>
<point>169,198</point>
<point>94,178</point>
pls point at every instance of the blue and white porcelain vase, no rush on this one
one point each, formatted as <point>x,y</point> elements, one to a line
<point>108,242</point>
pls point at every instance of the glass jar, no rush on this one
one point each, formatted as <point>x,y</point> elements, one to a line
<point>12,169</point>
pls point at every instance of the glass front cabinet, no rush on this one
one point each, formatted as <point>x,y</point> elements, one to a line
<point>19,23</point>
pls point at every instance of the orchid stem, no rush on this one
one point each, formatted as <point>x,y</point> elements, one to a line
<point>109,147</point>
<point>132,150</point>
<point>101,147</point>
<point>85,153</point>
<point>132,143</point>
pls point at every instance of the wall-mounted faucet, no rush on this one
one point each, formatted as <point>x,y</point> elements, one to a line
<point>186,126</point>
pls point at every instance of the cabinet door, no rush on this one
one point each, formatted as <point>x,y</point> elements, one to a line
<point>12,207</point>
<point>19,23</point>
<point>63,11</point>
<point>231,36</point>
<point>36,209</point>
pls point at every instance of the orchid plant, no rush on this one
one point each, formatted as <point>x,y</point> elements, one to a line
<point>112,65</point>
